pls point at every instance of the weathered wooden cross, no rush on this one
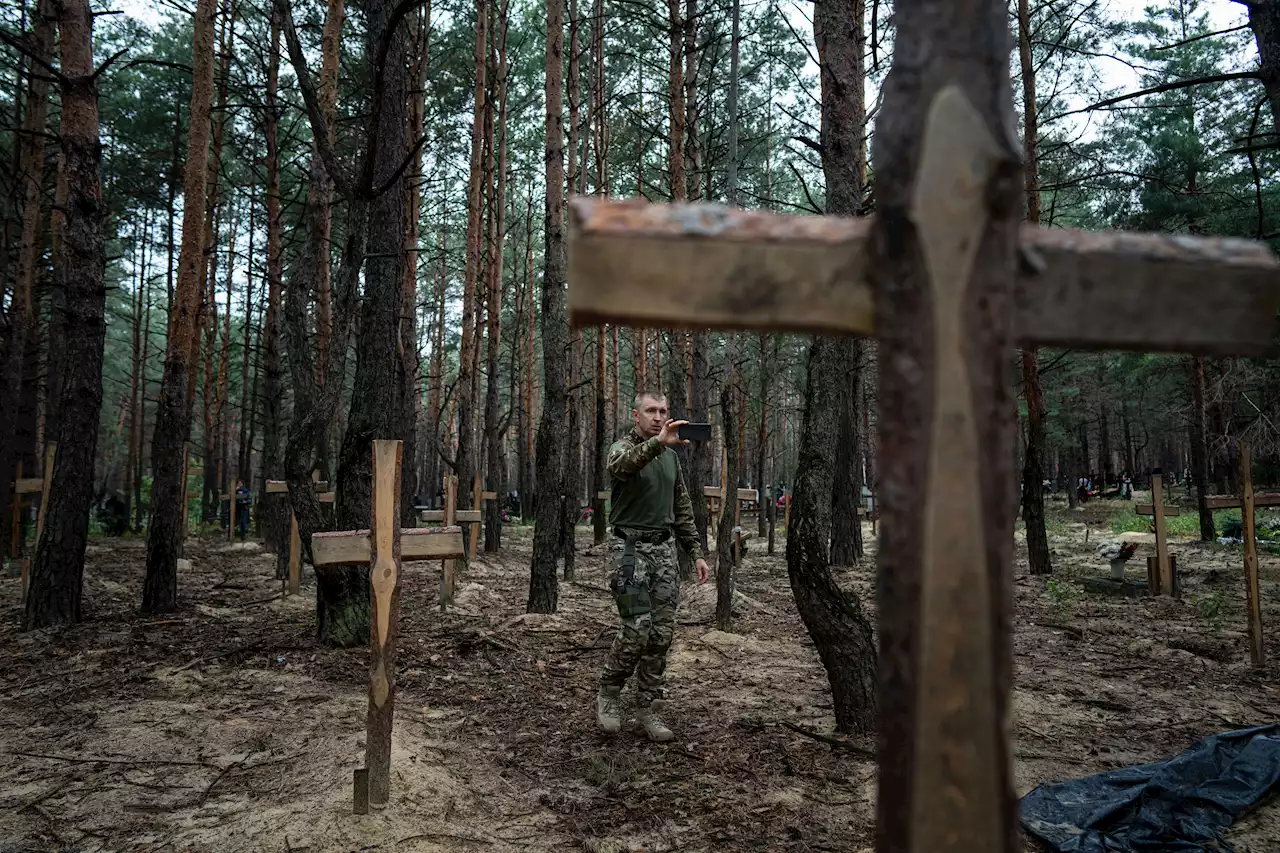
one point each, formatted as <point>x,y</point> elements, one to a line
<point>1247,502</point>
<point>449,517</point>
<point>716,494</point>
<point>277,487</point>
<point>948,282</point>
<point>1162,580</point>
<point>30,486</point>
<point>383,547</point>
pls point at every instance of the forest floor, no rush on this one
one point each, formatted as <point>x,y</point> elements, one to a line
<point>225,727</point>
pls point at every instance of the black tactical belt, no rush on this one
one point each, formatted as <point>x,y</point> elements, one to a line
<point>653,537</point>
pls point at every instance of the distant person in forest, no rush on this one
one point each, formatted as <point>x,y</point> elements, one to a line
<point>649,506</point>
<point>243,499</point>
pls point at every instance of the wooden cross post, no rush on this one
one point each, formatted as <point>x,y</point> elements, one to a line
<point>947,281</point>
<point>30,486</point>
<point>1161,579</point>
<point>383,546</point>
<point>1247,503</point>
<point>479,496</point>
<point>182,521</point>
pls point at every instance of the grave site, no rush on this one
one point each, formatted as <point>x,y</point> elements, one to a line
<point>588,426</point>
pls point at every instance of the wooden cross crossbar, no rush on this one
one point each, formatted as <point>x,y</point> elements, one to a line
<point>383,547</point>
<point>948,283</point>
<point>29,486</point>
<point>704,265</point>
<point>743,494</point>
<point>462,516</point>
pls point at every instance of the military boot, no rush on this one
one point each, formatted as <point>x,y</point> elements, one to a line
<point>608,704</point>
<point>647,715</point>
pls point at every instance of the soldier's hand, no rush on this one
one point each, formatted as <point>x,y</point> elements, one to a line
<point>703,571</point>
<point>670,435</point>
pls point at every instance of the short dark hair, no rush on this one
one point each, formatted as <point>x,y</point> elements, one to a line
<point>648,392</point>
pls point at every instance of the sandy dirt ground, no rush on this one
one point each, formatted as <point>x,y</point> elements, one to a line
<point>225,727</point>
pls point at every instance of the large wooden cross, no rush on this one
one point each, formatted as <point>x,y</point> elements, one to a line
<point>382,547</point>
<point>949,283</point>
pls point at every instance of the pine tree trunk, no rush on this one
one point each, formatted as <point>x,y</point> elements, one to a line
<point>846,496</point>
<point>57,575</point>
<point>840,632</point>
<point>142,406</point>
<point>131,453</point>
<point>725,532</point>
<point>275,528</point>
<point>1033,515</point>
<point>375,411</point>
<point>465,463</point>
<point>495,471</point>
<point>173,414</point>
<point>838,35</point>
<point>834,619</point>
<point>408,366</point>
<point>543,584</point>
<point>18,370</point>
<point>244,443</point>
<point>432,475</point>
<point>1199,454</point>
<point>321,190</point>
<point>1264,20</point>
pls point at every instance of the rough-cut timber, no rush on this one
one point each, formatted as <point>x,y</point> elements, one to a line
<point>705,265</point>
<point>173,414</point>
<point>383,554</point>
<point>945,244</point>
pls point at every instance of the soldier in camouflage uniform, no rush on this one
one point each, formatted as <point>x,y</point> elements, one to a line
<point>649,504</point>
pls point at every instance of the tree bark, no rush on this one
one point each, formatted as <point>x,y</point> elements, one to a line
<point>58,573</point>
<point>276,513</point>
<point>1199,454</point>
<point>1264,20</point>
<point>495,475</point>
<point>543,584</point>
<point>833,618</point>
<point>173,415</point>
<point>837,29</point>
<point>18,370</point>
<point>465,466</point>
<point>375,411</point>
<point>1033,463</point>
<point>725,533</point>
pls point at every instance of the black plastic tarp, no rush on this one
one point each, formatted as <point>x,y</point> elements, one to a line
<point>1181,805</point>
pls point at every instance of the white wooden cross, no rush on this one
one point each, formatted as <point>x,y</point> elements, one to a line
<point>948,281</point>
<point>382,547</point>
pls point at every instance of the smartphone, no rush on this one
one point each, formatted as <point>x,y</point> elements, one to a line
<point>695,432</point>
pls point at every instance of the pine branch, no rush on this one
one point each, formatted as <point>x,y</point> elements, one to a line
<point>320,129</point>
<point>1171,86</point>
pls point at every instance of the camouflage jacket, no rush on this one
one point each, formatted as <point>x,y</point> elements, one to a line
<point>629,455</point>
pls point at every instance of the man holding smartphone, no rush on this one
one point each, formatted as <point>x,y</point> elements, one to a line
<point>649,507</point>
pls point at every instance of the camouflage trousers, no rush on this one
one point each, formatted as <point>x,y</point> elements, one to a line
<point>647,596</point>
